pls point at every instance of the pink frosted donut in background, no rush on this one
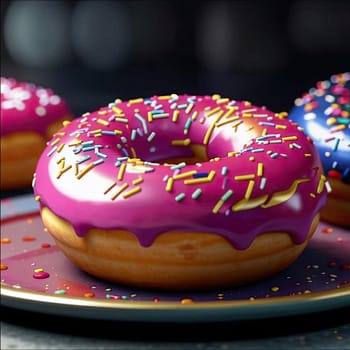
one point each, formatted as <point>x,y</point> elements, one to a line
<point>181,191</point>
<point>29,116</point>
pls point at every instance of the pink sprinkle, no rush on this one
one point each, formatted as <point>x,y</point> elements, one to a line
<point>41,275</point>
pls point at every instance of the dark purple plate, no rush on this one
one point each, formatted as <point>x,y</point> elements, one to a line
<point>36,276</point>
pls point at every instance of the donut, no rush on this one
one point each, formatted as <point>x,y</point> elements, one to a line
<point>324,114</point>
<point>180,192</point>
<point>29,116</point>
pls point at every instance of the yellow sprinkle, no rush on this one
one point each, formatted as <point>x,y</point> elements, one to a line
<point>213,111</point>
<point>102,112</point>
<point>76,169</point>
<point>60,148</point>
<point>109,188</point>
<point>244,177</point>
<point>321,183</point>
<point>186,301</point>
<point>39,270</point>
<point>189,108</point>
<point>216,97</point>
<point>312,195</point>
<point>61,160</point>
<point>249,190</point>
<point>247,115</point>
<point>120,190</point>
<point>275,289</point>
<point>264,132</point>
<point>289,138</point>
<point>121,172</point>
<point>222,100</point>
<point>85,170</point>
<point>165,97</point>
<point>184,142</point>
<point>132,192</point>
<point>282,115</point>
<point>169,184</point>
<point>66,122</point>
<point>96,131</point>
<point>37,198</point>
<point>62,171</point>
<point>136,100</point>
<point>280,126</point>
<point>212,127</point>
<point>194,115</point>
<point>217,206</point>
<point>251,158</point>
<point>227,121</point>
<point>200,180</point>
<point>260,169</point>
<point>331,121</point>
<point>137,181</point>
<point>117,111</point>
<point>232,154</point>
<point>175,116</point>
<point>149,116</point>
<point>103,122</point>
<point>307,154</point>
<point>237,124</point>
<point>117,132</point>
<point>184,175</point>
<point>55,142</point>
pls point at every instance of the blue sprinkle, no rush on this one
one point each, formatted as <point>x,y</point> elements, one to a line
<point>198,175</point>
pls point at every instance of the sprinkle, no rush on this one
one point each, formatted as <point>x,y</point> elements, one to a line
<point>120,190</point>
<point>244,177</point>
<point>336,145</point>
<point>212,127</point>
<point>41,275</point>
<point>187,125</point>
<point>85,171</point>
<point>227,121</point>
<point>213,111</point>
<point>189,108</point>
<point>184,175</point>
<point>196,194</point>
<point>260,169</point>
<point>249,189</point>
<point>274,155</point>
<point>175,116</point>
<point>289,138</point>
<point>217,206</point>
<point>184,142</point>
<point>180,197</point>
<point>169,184</point>
<point>262,183</point>
<point>151,136</point>
<point>103,122</point>
<point>224,170</point>
<point>209,178</point>
<point>227,195</point>
<point>130,193</point>
<point>137,181</point>
<point>178,166</point>
<point>109,188</point>
<point>143,122</point>
<point>121,172</point>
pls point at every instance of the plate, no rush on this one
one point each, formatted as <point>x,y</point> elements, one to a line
<point>36,276</point>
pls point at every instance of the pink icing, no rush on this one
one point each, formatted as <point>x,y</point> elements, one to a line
<point>29,107</point>
<point>105,170</point>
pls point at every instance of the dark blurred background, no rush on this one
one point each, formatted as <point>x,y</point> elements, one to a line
<point>91,52</point>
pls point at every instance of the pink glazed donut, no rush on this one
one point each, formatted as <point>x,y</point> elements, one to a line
<point>29,116</point>
<point>181,192</point>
